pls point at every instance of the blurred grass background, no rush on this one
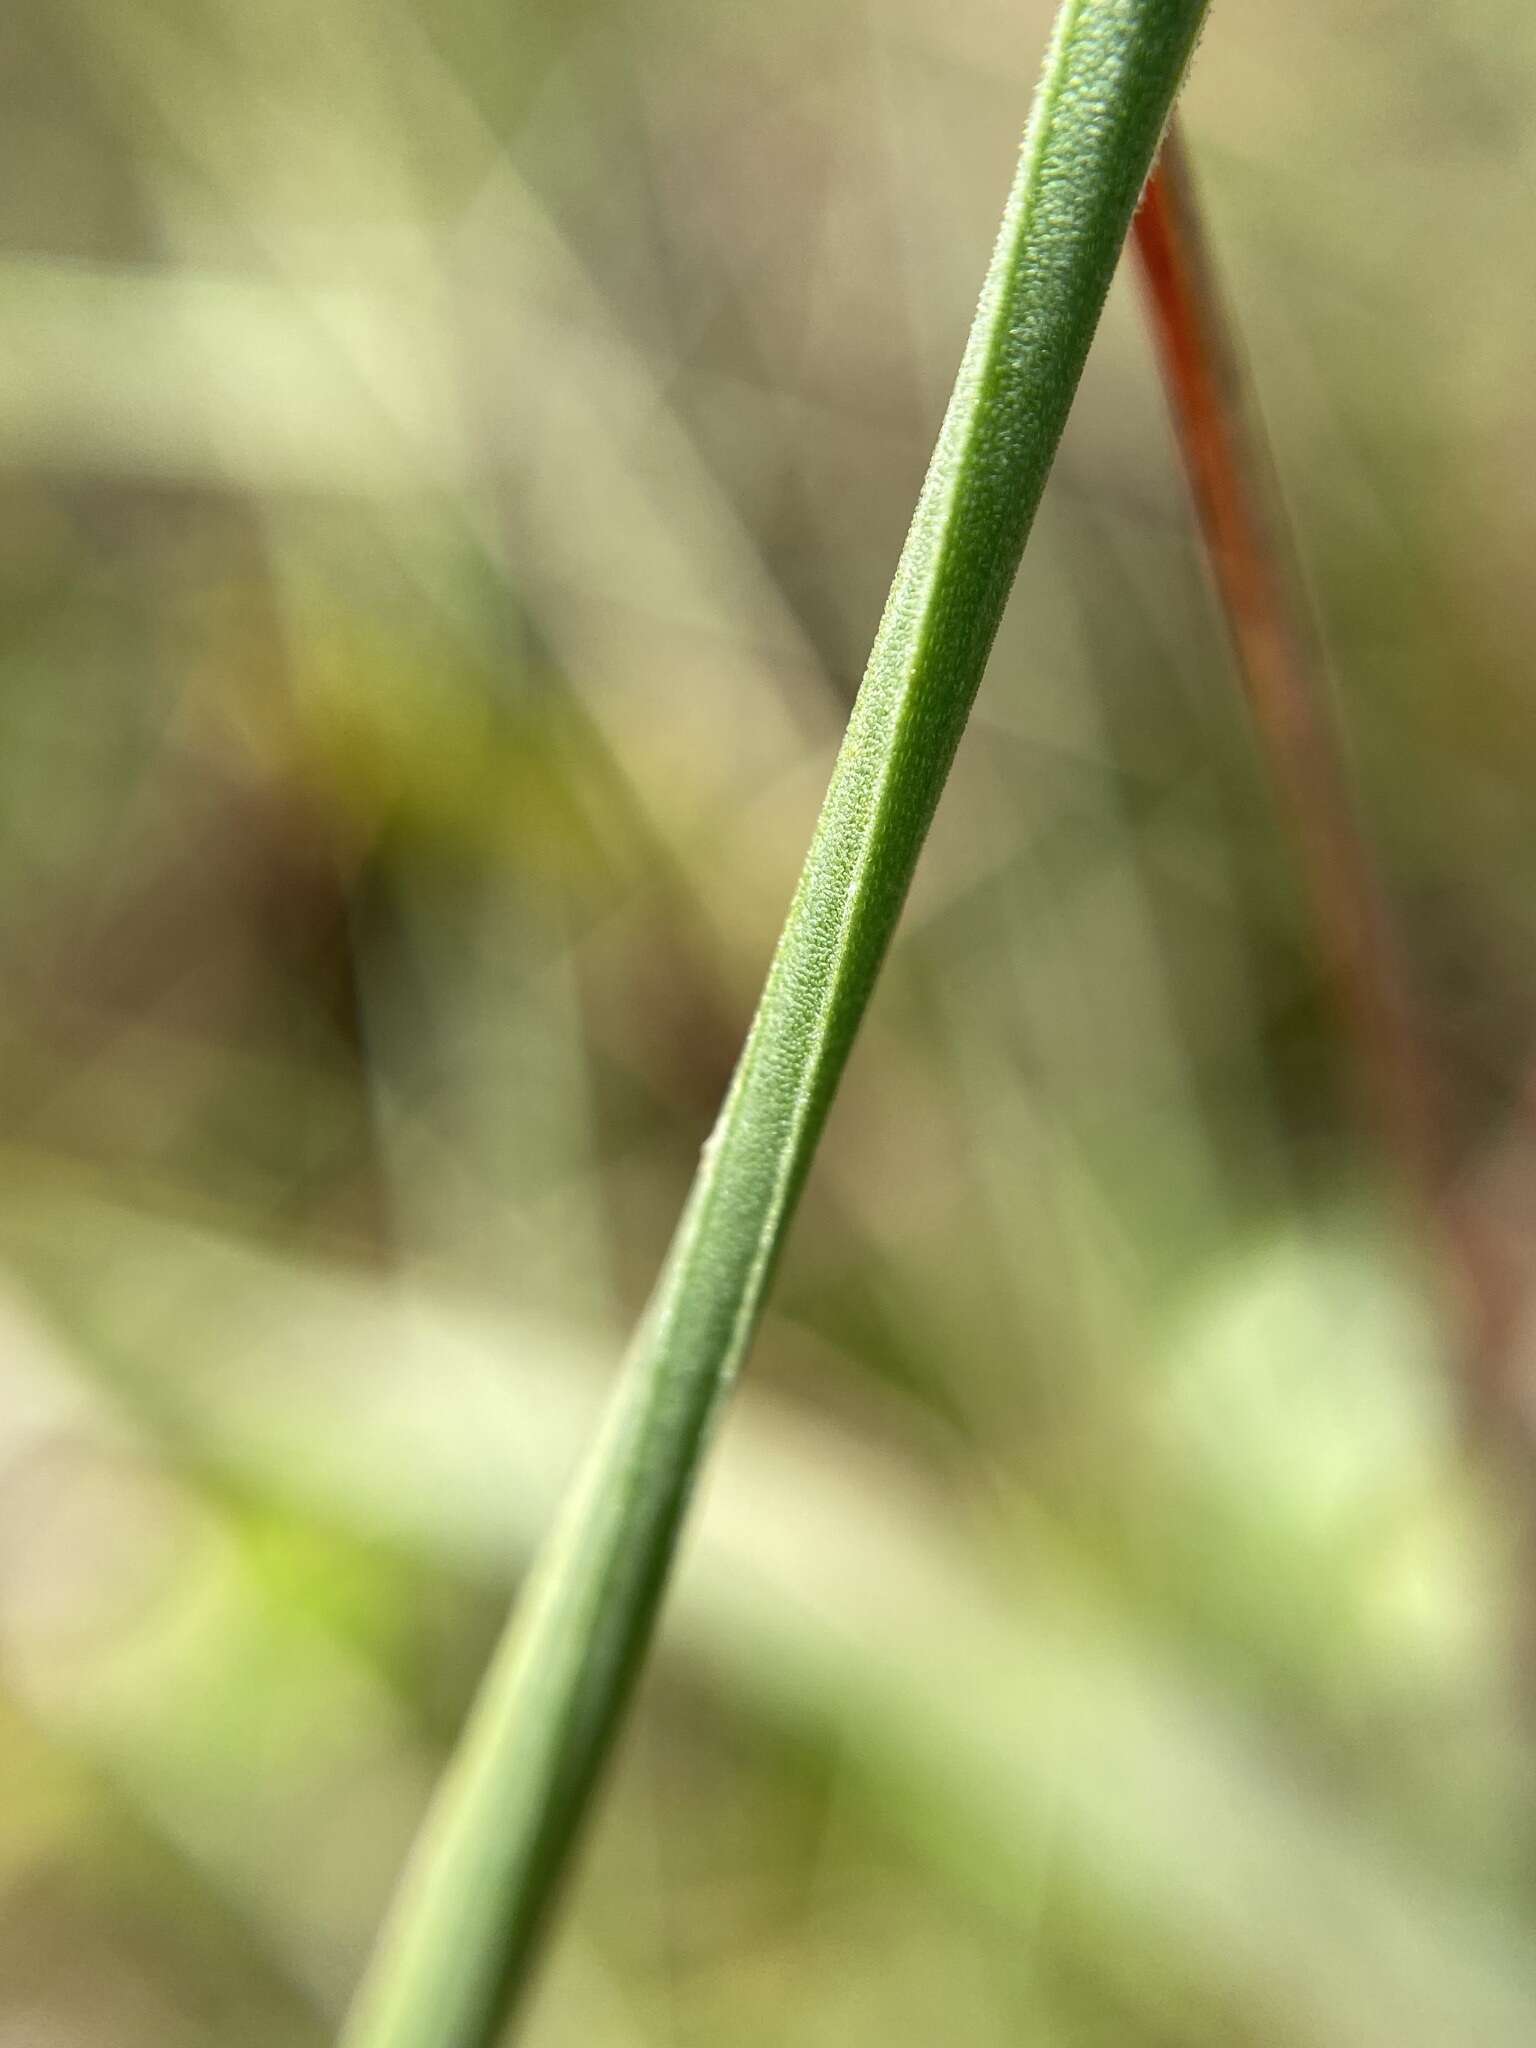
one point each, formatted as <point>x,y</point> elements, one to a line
<point>453,458</point>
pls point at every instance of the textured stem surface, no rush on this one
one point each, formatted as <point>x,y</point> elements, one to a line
<point>457,1947</point>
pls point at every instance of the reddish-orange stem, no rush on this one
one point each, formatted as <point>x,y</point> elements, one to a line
<point>1279,658</point>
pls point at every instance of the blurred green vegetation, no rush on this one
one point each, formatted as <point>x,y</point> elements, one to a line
<point>453,458</point>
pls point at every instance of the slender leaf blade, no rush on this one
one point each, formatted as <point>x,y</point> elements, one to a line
<point>457,1948</point>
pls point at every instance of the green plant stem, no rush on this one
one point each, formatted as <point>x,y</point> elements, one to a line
<point>458,1946</point>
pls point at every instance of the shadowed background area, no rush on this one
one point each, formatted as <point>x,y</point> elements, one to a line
<point>451,461</point>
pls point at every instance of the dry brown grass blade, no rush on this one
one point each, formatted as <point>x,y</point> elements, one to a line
<point>1281,664</point>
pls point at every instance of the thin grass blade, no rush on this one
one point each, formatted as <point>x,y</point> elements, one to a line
<point>457,1949</point>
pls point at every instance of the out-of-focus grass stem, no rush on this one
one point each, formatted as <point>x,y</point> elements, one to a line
<point>1281,665</point>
